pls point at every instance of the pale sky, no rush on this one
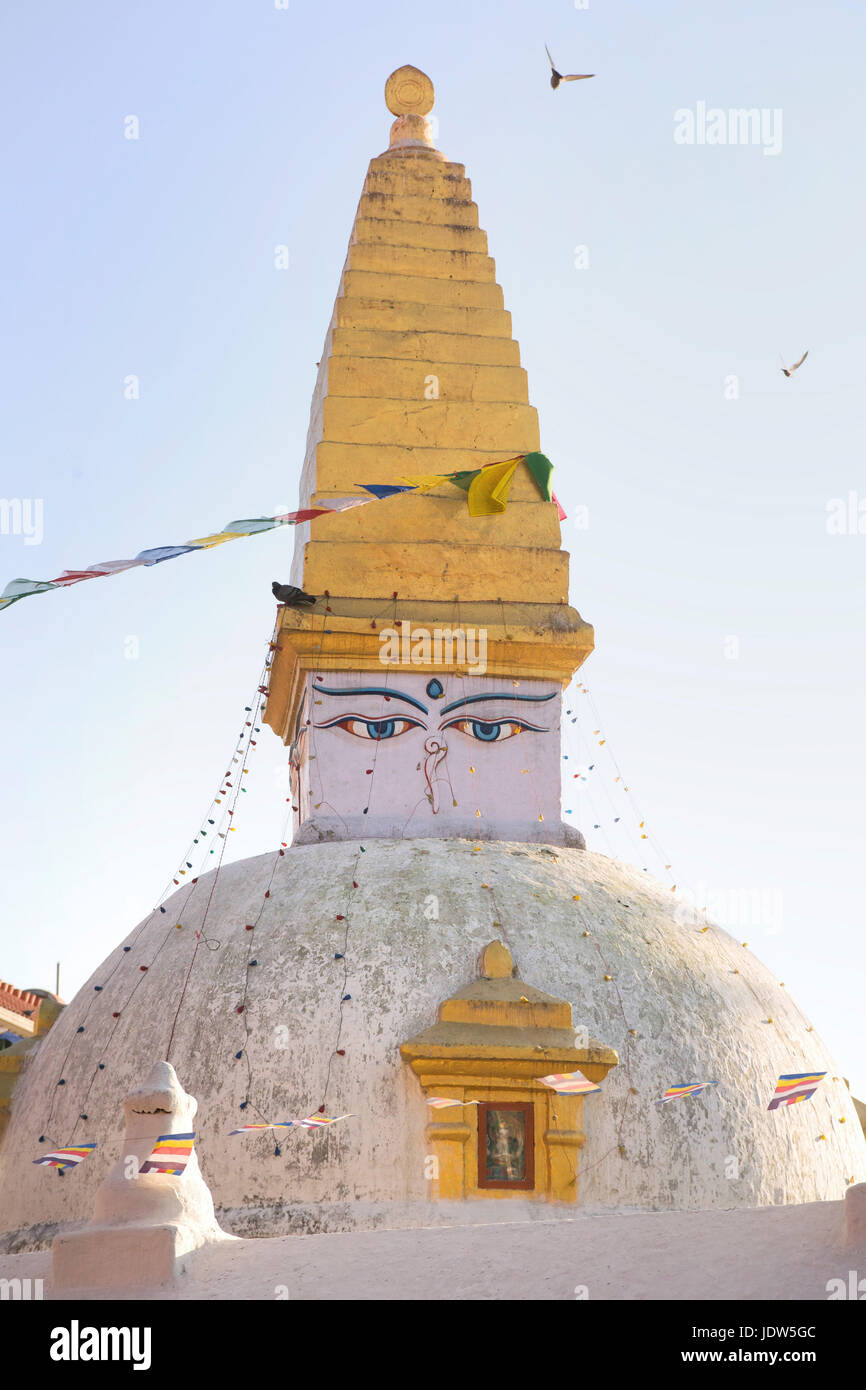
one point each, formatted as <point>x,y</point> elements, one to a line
<point>729,665</point>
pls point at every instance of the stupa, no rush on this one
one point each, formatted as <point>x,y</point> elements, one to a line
<point>434,932</point>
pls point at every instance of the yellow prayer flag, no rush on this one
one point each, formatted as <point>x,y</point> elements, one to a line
<point>208,542</point>
<point>488,493</point>
<point>424,481</point>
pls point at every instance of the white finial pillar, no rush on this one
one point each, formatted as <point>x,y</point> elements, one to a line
<point>142,1223</point>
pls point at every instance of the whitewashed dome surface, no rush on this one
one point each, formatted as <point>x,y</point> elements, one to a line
<point>699,1003</point>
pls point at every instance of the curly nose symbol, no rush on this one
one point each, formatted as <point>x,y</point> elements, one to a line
<point>435,753</point>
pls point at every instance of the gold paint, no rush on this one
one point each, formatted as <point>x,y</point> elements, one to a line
<point>419,302</point>
<point>409,91</point>
<point>488,1045</point>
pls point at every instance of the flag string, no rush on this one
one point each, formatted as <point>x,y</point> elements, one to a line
<point>484,494</point>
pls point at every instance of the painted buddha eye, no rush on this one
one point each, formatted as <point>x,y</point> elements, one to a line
<point>377,729</point>
<point>493,731</point>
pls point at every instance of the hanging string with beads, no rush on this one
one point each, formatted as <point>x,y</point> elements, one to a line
<point>200,933</point>
<point>378,616</point>
<point>575,757</point>
<point>488,882</point>
<point>82,1028</point>
<point>99,989</point>
<point>252,960</point>
<point>346,917</point>
<point>769,1013</point>
<point>638,818</point>
<point>698,915</point>
<point>705,928</point>
<point>629,1032</point>
<point>635,833</point>
<point>342,955</point>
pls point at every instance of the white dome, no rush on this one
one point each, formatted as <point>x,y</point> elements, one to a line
<point>699,1003</point>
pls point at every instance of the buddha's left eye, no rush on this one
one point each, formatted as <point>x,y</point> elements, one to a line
<point>377,729</point>
<point>492,731</point>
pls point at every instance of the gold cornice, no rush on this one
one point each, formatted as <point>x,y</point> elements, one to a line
<point>525,641</point>
<point>503,1027</point>
<point>521,1065</point>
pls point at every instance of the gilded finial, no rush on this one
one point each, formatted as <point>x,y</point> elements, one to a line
<point>409,92</point>
<point>496,962</point>
<point>409,96</point>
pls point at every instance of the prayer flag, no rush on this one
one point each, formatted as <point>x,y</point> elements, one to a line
<point>114,566</point>
<point>76,576</point>
<point>542,470</point>
<point>218,538</point>
<point>162,552</point>
<point>171,1153</point>
<point>247,1129</point>
<point>794,1087</point>
<point>674,1092</point>
<point>342,504</point>
<point>488,493</point>
<point>465,478</point>
<point>309,514</point>
<point>317,1121</point>
<point>22,588</point>
<point>424,481</point>
<point>442,1102</point>
<point>253,525</point>
<point>67,1158</point>
<point>569,1083</point>
<point>381,490</point>
<point>487,489</point>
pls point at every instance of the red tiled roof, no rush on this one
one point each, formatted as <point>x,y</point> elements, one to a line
<point>17,1001</point>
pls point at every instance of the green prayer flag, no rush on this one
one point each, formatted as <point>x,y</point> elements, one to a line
<point>22,588</point>
<point>251,526</point>
<point>464,479</point>
<point>542,470</point>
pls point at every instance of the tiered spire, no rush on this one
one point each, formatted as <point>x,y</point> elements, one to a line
<point>420,375</point>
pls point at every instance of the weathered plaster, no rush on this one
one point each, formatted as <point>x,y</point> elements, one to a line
<point>417,923</point>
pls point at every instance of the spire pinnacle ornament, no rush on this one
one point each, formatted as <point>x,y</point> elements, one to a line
<point>409,96</point>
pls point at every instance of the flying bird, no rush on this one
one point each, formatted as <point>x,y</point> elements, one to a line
<point>290,596</point>
<point>789,371</point>
<point>557,77</point>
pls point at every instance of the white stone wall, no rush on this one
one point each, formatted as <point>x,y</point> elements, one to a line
<point>696,1019</point>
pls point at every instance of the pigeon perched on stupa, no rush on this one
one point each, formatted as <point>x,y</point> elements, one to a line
<point>290,595</point>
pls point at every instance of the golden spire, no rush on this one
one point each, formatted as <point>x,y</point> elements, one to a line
<point>420,375</point>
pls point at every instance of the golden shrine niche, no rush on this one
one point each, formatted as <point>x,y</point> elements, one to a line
<point>491,1044</point>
